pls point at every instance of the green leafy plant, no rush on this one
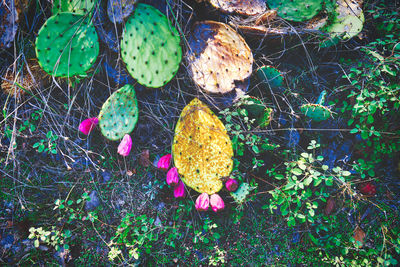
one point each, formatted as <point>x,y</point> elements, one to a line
<point>48,145</point>
<point>137,234</point>
<point>293,197</point>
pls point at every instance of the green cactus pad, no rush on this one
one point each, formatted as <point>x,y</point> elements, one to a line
<point>316,112</point>
<point>66,45</point>
<point>242,7</point>
<point>296,10</point>
<point>241,193</point>
<point>348,22</point>
<point>271,76</point>
<point>202,148</point>
<point>81,7</point>
<point>119,113</point>
<point>258,111</point>
<point>150,47</point>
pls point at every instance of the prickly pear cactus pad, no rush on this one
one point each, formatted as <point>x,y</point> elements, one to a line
<point>118,10</point>
<point>241,193</point>
<point>296,10</point>
<point>67,45</point>
<point>8,23</point>
<point>202,149</point>
<point>75,6</point>
<point>242,7</point>
<point>271,76</point>
<point>316,112</point>
<point>218,57</point>
<point>119,114</point>
<point>349,20</point>
<point>150,47</point>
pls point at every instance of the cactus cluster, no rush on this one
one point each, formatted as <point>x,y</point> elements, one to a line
<point>81,7</point>
<point>202,149</point>
<point>219,58</point>
<point>317,112</point>
<point>150,47</point>
<point>119,114</point>
<point>242,7</point>
<point>118,10</point>
<point>8,23</point>
<point>67,45</point>
<point>296,10</point>
<point>241,193</point>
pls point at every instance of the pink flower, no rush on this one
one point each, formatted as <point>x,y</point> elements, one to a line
<point>125,146</point>
<point>179,190</point>
<point>164,162</point>
<point>231,185</point>
<point>87,125</point>
<point>202,202</point>
<point>173,176</point>
<point>217,203</point>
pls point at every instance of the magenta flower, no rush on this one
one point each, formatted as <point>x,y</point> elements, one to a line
<point>179,190</point>
<point>125,146</point>
<point>202,202</point>
<point>164,162</point>
<point>87,125</point>
<point>231,185</point>
<point>217,203</point>
<point>173,176</point>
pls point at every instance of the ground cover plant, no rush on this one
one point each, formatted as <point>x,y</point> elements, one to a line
<point>188,132</point>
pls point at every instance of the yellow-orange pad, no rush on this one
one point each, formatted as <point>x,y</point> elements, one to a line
<point>202,149</point>
<point>218,56</point>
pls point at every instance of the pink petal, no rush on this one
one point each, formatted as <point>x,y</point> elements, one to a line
<point>202,202</point>
<point>125,146</point>
<point>217,203</point>
<point>87,125</point>
<point>164,162</point>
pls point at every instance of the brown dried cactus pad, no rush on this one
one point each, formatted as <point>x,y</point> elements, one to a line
<point>218,57</point>
<point>242,7</point>
<point>202,149</point>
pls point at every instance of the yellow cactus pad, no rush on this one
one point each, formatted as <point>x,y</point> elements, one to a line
<point>202,149</point>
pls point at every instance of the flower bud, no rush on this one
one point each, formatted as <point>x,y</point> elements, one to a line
<point>179,190</point>
<point>202,202</point>
<point>87,125</point>
<point>125,146</point>
<point>231,185</point>
<point>173,176</point>
<point>164,162</point>
<point>217,203</point>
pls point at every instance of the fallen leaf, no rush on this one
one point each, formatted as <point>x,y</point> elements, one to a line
<point>359,236</point>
